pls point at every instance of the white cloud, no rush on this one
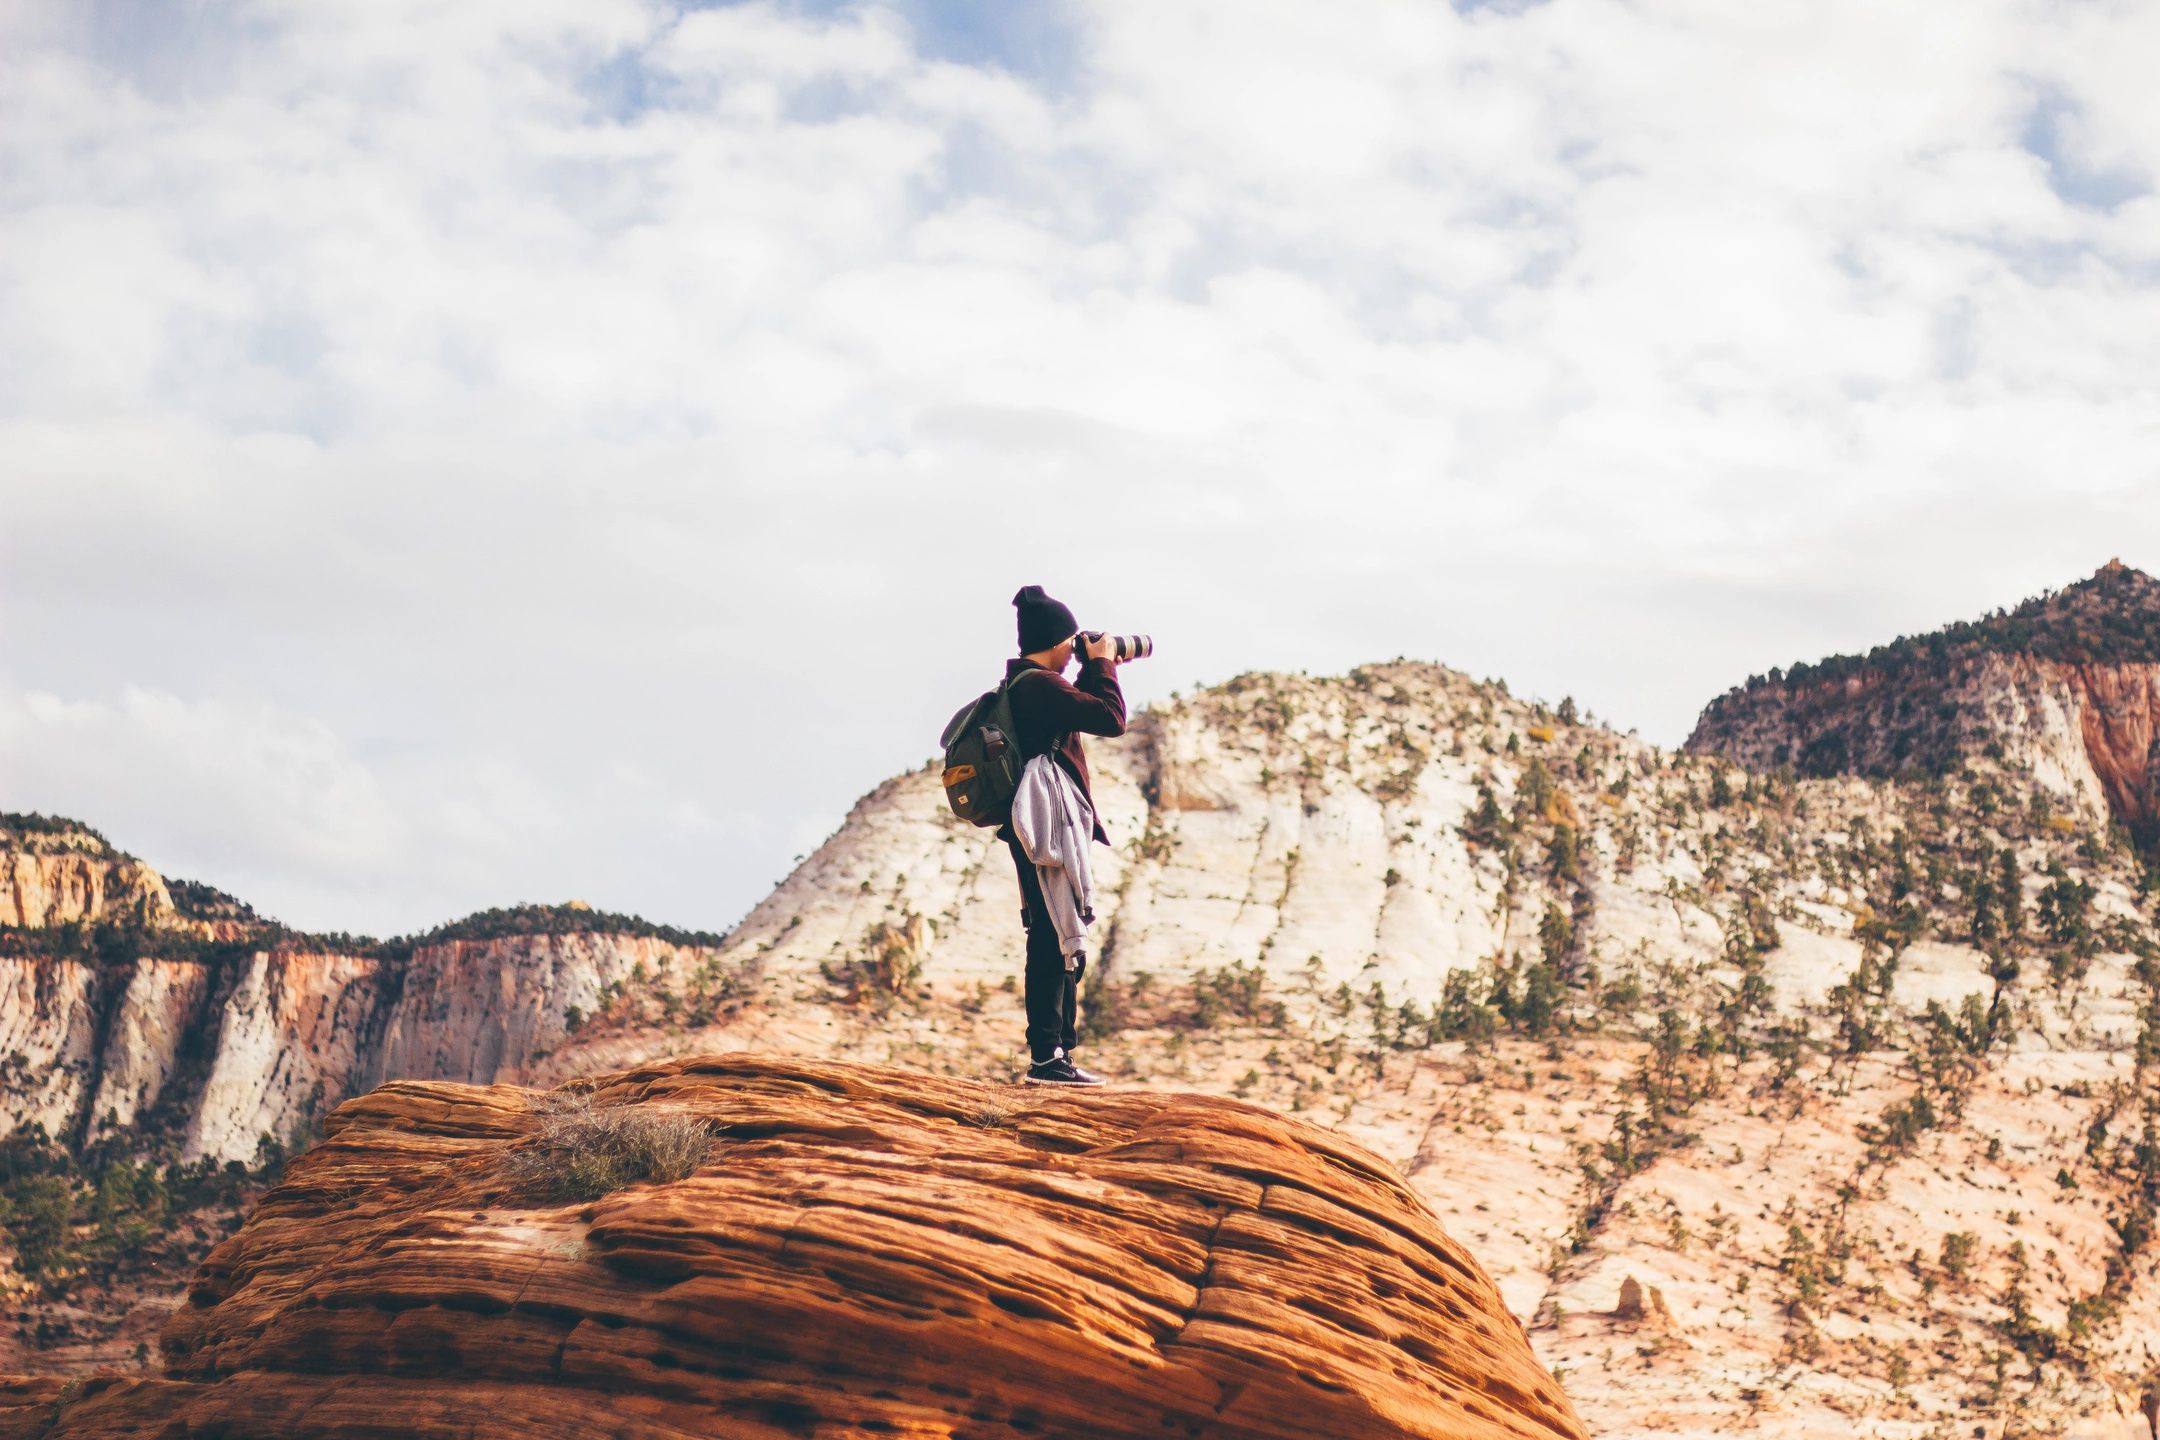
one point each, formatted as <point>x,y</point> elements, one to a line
<point>520,449</point>
<point>223,782</point>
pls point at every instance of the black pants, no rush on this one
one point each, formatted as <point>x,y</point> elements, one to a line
<point>1053,992</point>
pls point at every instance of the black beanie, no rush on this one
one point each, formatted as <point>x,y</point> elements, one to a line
<point>1043,621</point>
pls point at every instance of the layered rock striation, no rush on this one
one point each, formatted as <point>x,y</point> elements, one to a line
<point>862,1251</point>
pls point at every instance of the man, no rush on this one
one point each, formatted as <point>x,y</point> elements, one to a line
<point>1050,714</point>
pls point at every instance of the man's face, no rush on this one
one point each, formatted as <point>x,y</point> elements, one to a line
<point>1062,656</point>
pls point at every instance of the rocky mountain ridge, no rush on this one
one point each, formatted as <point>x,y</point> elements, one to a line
<point>2065,687</point>
<point>1770,1100</point>
<point>1848,1080</point>
<point>57,872</point>
<point>237,1035</point>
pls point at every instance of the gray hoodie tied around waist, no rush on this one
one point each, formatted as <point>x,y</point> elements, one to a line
<point>1055,823</point>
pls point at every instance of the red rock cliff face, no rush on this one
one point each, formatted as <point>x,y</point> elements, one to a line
<point>2083,730</point>
<point>864,1251</point>
<point>2116,707</point>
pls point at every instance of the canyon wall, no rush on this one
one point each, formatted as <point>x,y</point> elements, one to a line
<point>250,1044</point>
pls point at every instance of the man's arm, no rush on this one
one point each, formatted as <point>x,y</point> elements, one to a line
<point>1098,682</point>
<point>1096,706</point>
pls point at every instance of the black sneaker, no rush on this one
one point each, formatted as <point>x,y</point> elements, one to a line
<point>1057,1070</point>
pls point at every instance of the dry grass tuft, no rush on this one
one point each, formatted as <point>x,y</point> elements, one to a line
<point>583,1152</point>
<point>993,1114</point>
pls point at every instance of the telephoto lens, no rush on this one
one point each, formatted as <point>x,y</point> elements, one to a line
<point>1124,647</point>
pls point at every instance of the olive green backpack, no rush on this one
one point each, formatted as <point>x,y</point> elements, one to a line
<point>982,757</point>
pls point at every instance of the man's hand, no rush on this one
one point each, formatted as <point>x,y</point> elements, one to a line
<point>1097,649</point>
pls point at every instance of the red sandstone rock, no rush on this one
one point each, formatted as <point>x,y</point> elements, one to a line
<point>2118,710</point>
<point>864,1251</point>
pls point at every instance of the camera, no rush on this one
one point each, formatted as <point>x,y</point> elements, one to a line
<point>1122,647</point>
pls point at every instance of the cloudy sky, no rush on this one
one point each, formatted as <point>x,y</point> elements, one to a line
<point>460,453</point>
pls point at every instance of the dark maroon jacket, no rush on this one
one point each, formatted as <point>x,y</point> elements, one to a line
<point>1051,713</point>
